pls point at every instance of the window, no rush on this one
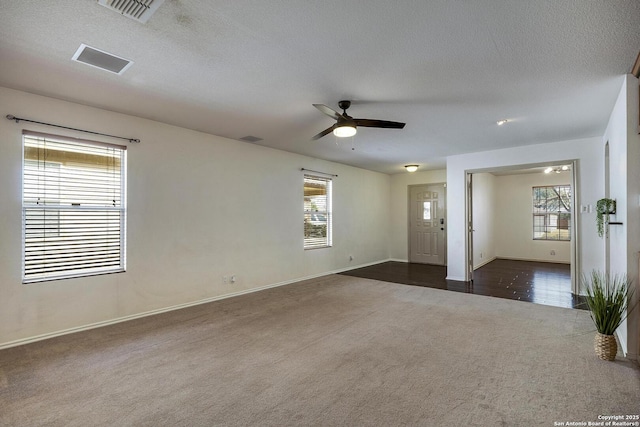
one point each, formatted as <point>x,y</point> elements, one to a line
<point>73,207</point>
<point>426,211</point>
<point>552,212</point>
<point>317,212</point>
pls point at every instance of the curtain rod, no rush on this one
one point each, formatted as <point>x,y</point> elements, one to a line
<point>323,173</point>
<point>18,119</point>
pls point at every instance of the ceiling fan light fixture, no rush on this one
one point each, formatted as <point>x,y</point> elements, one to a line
<point>344,131</point>
<point>411,168</point>
<point>557,169</point>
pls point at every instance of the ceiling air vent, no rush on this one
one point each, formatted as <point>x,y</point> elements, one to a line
<point>101,59</point>
<point>140,10</point>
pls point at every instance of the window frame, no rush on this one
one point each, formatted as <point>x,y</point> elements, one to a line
<point>327,241</point>
<point>107,214</point>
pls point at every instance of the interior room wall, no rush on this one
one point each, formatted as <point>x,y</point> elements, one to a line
<point>484,218</point>
<point>588,152</point>
<point>513,214</point>
<point>399,232</point>
<point>199,207</point>
<point>624,240</point>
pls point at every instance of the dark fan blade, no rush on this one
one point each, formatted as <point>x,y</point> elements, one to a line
<point>378,124</point>
<point>328,111</point>
<point>324,132</point>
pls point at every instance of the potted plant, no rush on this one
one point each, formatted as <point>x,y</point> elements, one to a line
<point>608,297</point>
<point>604,207</point>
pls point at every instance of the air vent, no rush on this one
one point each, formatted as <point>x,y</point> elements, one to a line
<point>139,10</point>
<point>250,138</point>
<point>101,59</point>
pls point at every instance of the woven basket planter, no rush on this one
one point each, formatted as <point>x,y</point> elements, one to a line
<point>606,346</point>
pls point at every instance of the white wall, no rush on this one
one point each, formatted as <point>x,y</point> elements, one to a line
<point>624,152</point>
<point>199,207</point>
<point>588,152</point>
<point>484,218</point>
<point>399,237</point>
<point>514,219</point>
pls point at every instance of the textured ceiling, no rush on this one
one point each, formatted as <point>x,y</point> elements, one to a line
<point>448,68</point>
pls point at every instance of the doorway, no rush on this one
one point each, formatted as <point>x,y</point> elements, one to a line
<point>427,228</point>
<point>508,219</point>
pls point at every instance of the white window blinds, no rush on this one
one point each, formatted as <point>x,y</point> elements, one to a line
<point>317,212</point>
<point>73,207</point>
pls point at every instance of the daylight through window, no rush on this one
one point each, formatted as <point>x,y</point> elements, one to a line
<point>552,212</point>
<point>317,212</point>
<point>73,207</point>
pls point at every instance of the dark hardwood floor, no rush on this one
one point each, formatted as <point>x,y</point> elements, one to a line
<point>536,282</point>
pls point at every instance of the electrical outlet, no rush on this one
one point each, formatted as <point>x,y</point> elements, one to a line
<point>233,278</point>
<point>225,279</point>
<point>350,257</point>
<point>553,252</point>
<point>481,254</point>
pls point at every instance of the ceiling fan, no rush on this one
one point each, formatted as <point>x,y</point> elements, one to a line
<point>346,125</point>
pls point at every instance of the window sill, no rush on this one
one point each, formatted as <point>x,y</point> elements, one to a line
<point>70,276</point>
<point>317,247</point>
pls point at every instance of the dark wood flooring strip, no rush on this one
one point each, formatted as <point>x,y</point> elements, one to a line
<point>530,281</point>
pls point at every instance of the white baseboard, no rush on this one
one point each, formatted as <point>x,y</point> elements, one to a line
<point>623,345</point>
<point>95,325</point>
<point>533,260</point>
<point>475,267</point>
<point>342,270</point>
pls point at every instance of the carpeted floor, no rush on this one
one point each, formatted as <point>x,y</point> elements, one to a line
<point>332,351</point>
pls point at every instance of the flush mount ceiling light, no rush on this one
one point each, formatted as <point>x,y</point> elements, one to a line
<point>411,168</point>
<point>501,122</point>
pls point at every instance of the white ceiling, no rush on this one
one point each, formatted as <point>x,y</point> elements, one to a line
<point>448,68</point>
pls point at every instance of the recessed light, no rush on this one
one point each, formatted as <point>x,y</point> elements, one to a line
<point>501,122</point>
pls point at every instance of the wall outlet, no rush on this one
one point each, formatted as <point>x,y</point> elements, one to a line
<point>233,279</point>
<point>350,257</point>
<point>225,279</point>
<point>553,252</point>
<point>481,254</point>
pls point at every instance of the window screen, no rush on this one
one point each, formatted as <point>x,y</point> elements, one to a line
<point>73,207</point>
<point>317,212</point>
<point>552,212</point>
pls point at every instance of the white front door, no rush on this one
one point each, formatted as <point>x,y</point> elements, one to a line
<point>427,241</point>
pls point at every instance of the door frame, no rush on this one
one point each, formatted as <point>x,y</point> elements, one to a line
<point>446,220</point>
<point>575,217</point>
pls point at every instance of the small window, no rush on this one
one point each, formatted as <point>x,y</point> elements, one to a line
<point>317,212</point>
<point>426,211</point>
<point>552,212</point>
<point>73,208</point>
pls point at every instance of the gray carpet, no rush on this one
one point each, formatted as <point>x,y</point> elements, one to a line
<point>332,351</point>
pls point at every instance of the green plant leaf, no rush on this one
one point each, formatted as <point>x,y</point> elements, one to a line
<point>608,297</point>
